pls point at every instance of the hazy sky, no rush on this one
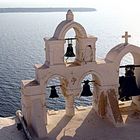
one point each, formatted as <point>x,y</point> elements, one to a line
<point>51,3</point>
<point>71,3</point>
<point>111,5</point>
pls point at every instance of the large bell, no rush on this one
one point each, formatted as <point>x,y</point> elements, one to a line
<point>69,52</point>
<point>128,86</point>
<point>53,93</point>
<point>129,70</point>
<point>86,89</point>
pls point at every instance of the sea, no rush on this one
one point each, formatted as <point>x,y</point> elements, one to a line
<point>22,46</point>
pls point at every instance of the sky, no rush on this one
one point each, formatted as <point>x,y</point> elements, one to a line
<point>70,3</point>
<point>113,5</point>
<point>49,3</point>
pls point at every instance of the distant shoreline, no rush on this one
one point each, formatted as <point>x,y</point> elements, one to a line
<point>16,10</point>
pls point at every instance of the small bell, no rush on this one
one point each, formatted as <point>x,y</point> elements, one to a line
<point>86,89</point>
<point>69,52</point>
<point>53,93</point>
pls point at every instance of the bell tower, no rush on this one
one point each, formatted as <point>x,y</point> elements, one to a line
<point>84,46</point>
<point>104,77</point>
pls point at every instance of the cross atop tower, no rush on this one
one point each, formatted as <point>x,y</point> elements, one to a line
<point>126,36</point>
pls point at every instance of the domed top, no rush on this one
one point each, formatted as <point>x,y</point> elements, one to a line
<point>69,15</point>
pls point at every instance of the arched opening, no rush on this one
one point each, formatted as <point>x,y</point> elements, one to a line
<point>65,26</point>
<point>127,86</point>
<point>54,97</point>
<point>128,59</point>
<point>74,32</point>
<point>88,99</point>
<point>70,42</point>
<point>125,78</point>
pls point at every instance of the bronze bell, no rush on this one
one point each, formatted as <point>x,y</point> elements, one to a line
<point>128,86</point>
<point>86,89</point>
<point>53,93</point>
<point>69,52</point>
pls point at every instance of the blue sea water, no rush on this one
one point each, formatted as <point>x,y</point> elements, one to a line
<point>22,46</point>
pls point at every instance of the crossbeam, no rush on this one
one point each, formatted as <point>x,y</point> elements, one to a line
<point>127,66</point>
<point>70,38</point>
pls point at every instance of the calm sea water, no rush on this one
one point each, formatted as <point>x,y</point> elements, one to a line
<point>22,46</point>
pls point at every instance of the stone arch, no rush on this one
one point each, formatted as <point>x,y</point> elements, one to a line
<point>127,59</point>
<point>58,89</point>
<point>64,26</point>
<point>97,76</point>
<point>117,53</point>
<point>52,76</point>
<point>97,88</point>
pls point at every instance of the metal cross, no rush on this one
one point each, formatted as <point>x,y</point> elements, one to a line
<point>126,36</point>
